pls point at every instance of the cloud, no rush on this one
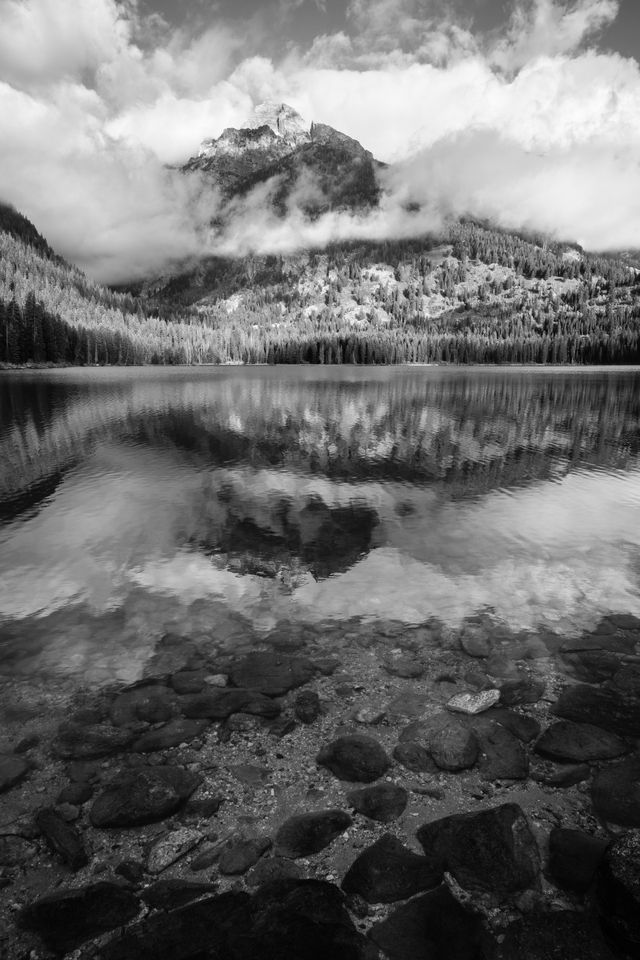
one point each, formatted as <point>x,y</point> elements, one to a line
<point>525,125</point>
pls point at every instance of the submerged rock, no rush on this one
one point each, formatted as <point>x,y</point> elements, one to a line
<point>565,935</point>
<point>430,927</point>
<point>605,707</point>
<point>12,770</point>
<point>387,871</point>
<point>454,748</point>
<point>79,742</point>
<point>172,734</point>
<point>144,795</point>
<point>62,838</point>
<point>355,758</point>
<point>67,918</point>
<point>414,757</point>
<point>172,893</point>
<point>307,707</point>
<point>566,740</point>
<point>151,702</point>
<point>308,833</point>
<point>574,857</point>
<point>502,755</point>
<point>383,802</point>
<point>615,792</point>
<point>220,703</point>
<point>618,893</point>
<point>240,854</point>
<point>491,851</point>
<point>271,673</point>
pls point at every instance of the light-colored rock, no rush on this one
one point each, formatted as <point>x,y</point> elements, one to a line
<point>473,702</point>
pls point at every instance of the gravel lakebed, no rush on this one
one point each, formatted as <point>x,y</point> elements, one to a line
<point>352,791</point>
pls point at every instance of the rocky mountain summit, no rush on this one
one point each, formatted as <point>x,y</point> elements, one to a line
<point>311,164</point>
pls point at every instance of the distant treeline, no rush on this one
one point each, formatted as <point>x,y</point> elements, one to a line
<point>537,305</point>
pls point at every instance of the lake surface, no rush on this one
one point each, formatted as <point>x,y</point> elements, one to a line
<point>216,503</point>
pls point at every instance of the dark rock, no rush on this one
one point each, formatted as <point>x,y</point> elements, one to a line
<point>62,838</point>
<point>430,927</point>
<point>83,771</point>
<point>591,666</point>
<point>273,868</point>
<point>241,854</point>
<point>307,706</point>
<point>523,727</point>
<point>76,793</point>
<point>271,673</point>
<point>564,935</point>
<point>67,918</point>
<point>475,641</point>
<point>383,802</point>
<point>172,734</point>
<point>403,665</point>
<point>625,621</point>
<point>326,665</point>
<point>502,755</point>
<point>566,740</point>
<point>409,703</point>
<point>602,639</point>
<point>605,707</point>
<point>564,776</point>
<point>355,758</point>
<point>12,770</point>
<point>282,727</point>
<point>144,795</point>
<point>201,809</point>
<point>574,857</point>
<point>489,851</point>
<point>414,757</point>
<point>152,703</point>
<point>189,681</point>
<point>131,870</point>
<point>454,747</point>
<point>618,893</point>
<point>298,920</point>
<point>173,893</point>
<point>615,793</point>
<point>27,743</point>
<point>627,680</point>
<point>196,931</point>
<point>387,871</point>
<point>221,702</point>
<point>523,690</point>
<point>15,851</point>
<point>84,743</point>
<point>308,833</point>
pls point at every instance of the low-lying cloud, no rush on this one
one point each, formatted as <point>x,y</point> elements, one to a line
<point>530,126</point>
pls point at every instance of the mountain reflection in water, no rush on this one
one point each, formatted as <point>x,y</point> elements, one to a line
<point>136,502</point>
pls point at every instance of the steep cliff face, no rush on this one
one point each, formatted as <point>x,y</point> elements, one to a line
<point>310,164</point>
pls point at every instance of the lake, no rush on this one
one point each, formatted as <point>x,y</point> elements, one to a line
<point>215,504</point>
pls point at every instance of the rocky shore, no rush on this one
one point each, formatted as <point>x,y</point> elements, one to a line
<point>352,791</point>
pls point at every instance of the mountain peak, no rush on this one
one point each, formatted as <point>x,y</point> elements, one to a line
<point>281,118</point>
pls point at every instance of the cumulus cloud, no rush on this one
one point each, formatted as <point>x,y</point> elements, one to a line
<point>530,126</point>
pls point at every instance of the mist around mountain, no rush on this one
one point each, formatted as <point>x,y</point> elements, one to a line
<point>462,292</point>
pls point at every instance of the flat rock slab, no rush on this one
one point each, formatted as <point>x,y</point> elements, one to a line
<point>240,854</point>
<point>222,702</point>
<point>355,758</point>
<point>67,918</point>
<point>308,833</point>
<point>12,770</point>
<point>430,927</point>
<point>574,857</point>
<point>491,851</point>
<point>473,703</point>
<point>563,935</point>
<point>171,848</point>
<point>271,673</point>
<point>172,734</point>
<point>604,707</point>
<point>615,793</point>
<point>387,871</point>
<point>566,740</point>
<point>144,795</point>
<point>90,741</point>
<point>383,802</point>
<point>62,838</point>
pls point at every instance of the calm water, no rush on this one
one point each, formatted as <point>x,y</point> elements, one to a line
<point>215,503</point>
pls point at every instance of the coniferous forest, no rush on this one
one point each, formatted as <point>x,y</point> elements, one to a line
<point>472,295</point>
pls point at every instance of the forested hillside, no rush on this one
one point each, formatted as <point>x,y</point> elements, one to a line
<point>470,295</point>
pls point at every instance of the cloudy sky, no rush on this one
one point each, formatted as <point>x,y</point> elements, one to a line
<point>526,111</point>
